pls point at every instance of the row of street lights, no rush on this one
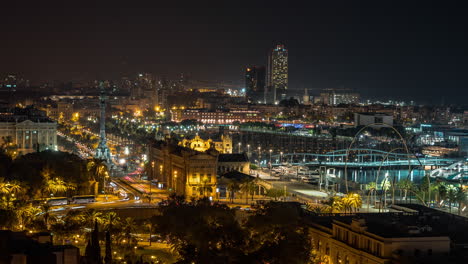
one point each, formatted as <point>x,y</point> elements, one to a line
<point>239,145</point>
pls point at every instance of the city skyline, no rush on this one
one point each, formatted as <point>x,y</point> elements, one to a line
<point>380,50</point>
<point>229,132</point>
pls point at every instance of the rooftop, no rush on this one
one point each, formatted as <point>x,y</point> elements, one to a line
<point>233,158</point>
<point>425,222</point>
<point>237,176</point>
<point>374,114</point>
<point>17,115</point>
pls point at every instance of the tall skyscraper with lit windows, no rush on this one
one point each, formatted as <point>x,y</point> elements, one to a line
<point>277,76</point>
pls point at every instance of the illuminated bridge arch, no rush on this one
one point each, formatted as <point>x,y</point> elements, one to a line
<point>355,139</point>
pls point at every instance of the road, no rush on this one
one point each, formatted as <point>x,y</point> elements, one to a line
<point>302,190</point>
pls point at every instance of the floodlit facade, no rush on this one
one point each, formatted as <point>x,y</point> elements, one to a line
<point>217,117</point>
<point>224,145</point>
<point>344,241</point>
<point>28,129</point>
<point>184,170</point>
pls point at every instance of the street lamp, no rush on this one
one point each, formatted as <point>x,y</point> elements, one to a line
<point>174,184</point>
<point>152,176</point>
<point>239,144</point>
<point>270,161</point>
<point>259,154</point>
<point>281,157</point>
<point>106,177</point>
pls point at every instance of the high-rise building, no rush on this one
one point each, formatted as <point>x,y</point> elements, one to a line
<point>143,86</point>
<point>338,96</point>
<point>306,97</point>
<point>255,84</point>
<point>277,80</point>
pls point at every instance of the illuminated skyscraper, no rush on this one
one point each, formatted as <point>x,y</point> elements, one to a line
<point>255,84</point>
<point>277,79</point>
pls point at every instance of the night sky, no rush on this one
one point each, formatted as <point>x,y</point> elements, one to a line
<point>410,49</point>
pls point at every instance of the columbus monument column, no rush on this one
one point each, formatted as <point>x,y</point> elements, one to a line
<point>102,151</point>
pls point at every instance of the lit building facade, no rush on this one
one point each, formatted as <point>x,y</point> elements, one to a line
<point>355,241</point>
<point>277,75</point>
<point>217,117</point>
<point>224,145</point>
<point>255,84</point>
<point>28,129</point>
<point>337,96</point>
<point>184,170</point>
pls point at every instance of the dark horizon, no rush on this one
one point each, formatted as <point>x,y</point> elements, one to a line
<point>401,50</point>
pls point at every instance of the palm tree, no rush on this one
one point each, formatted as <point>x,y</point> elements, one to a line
<point>97,167</point>
<point>4,186</point>
<point>351,202</point>
<point>60,185</point>
<point>111,221</point>
<point>128,228</point>
<point>74,217</point>
<point>451,196</point>
<point>385,187</point>
<point>393,186</point>
<point>56,185</point>
<point>47,172</point>
<point>441,191</point>
<point>371,186</point>
<point>354,201</point>
<point>460,198</point>
<point>248,188</point>
<point>15,187</point>
<point>98,170</point>
<point>46,215</point>
<point>346,203</point>
<point>337,204</point>
<point>405,185</point>
<point>253,189</point>
<point>90,217</point>
<point>233,187</point>
<point>8,201</point>
<point>26,214</point>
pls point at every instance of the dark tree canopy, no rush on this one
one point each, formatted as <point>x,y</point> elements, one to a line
<point>212,233</point>
<point>29,169</point>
